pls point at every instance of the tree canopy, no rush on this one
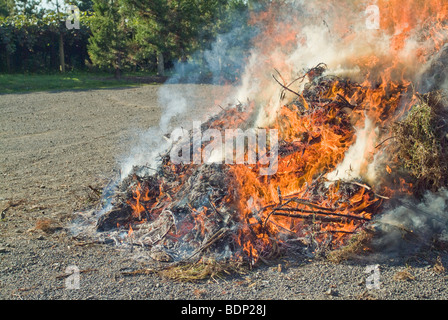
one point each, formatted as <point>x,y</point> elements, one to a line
<point>120,35</point>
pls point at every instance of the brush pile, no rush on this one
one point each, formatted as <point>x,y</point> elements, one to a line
<point>190,212</point>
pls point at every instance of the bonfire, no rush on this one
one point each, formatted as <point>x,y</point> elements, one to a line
<point>346,149</point>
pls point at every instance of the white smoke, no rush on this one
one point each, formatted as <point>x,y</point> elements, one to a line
<point>345,54</point>
<point>357,159</point>
<point>145,152</point>
<point>318,43</point>
<point>413,224</point>
<point>174,103</point>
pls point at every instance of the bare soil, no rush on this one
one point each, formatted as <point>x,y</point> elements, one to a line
<point>57,147</point>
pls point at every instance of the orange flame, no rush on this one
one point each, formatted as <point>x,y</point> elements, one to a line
<point>317,134</point>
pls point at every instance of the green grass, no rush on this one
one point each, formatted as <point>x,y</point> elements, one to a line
<point>19,83</point>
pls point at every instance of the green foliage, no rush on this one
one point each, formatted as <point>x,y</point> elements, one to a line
<point>30,42</point>
<point>184,30</point>
<point>6,7</point>
<point>121,35</point>
<point>26,7</point>
<point>110,39</point>
<point>421,143</point>
<point>83,5</point>
<point>170,27</point>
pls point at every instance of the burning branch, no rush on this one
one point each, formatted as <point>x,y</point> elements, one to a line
<point>346,103</point>
<point>282,210</point>
<point>313,217</point>
<point>316,215</point>
<point>285,87</point>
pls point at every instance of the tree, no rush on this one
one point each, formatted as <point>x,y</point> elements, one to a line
<point>152,29</point>
<point>26,6</point>
<point>83,5</point>
<point>6,8</point>
<point>109,44</point>
<point>225,39</point>
<point>177,29</point>
<point>58,4</point>
<point>171,27</point>
<point>29,43</point>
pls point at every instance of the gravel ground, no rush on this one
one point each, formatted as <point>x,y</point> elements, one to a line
<point>55,146</point>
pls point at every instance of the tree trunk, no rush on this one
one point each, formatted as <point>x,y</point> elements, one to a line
<point>117,73</point>
<point>61,53</point>
<point>160,64</point>
<point>118,67</point>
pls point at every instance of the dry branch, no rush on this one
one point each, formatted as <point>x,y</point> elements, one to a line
<point>312,217</point>
<point>285,87</point>
<point>322,213</point>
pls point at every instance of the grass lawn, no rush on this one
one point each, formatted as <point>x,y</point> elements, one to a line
<point>17,83</point>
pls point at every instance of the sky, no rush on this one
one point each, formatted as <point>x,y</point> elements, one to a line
<point>48,5</point>
<point>45,4</point>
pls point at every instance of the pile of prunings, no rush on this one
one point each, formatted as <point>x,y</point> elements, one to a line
<point>186,213</point>
<point>421,142</point>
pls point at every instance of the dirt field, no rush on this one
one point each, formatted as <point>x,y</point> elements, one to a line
<point>56,146</point>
